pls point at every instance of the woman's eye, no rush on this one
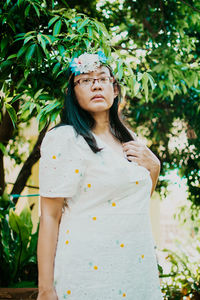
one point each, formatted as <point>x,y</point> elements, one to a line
<point>104,79</point>
<point>86,80</point>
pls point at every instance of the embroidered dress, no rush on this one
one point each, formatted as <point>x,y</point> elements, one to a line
<point>105,248</point>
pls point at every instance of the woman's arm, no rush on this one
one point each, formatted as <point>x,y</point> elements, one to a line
<point>51,211</point>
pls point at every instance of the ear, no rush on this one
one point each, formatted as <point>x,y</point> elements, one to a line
<point>116,90</point>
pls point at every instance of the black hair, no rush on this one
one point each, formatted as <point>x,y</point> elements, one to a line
<point>83,122</point>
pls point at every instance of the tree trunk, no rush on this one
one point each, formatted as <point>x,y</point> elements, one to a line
<point>26,169</point>
<point>6,133</point>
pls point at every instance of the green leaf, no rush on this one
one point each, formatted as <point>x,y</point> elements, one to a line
<point>30,53</point>
<point>12,25</point>
<point>3,149</point>
<point>61,50</point>
<point>26,73</point>
<point>36,10</point>
<point>145,85</point>
<point>5,64</point>
<point>45,97</point>
<point>39,56</point>
<point>12,56</point>
<point>57,27</point>
<point>49,38</point>
<point>139,76</point>
<point>27,10</point>
<point>90,32</point>
<point>42,122</point>
<point>31,108</point>
<point>16,97</point>
<point>22,50</point>
<point>42,41</point>
<point>11,113</point>
<point>54,115</point>
<point>4,43</point>
<point>51,106</point>
<point>85,22</point>
<point>37,94</point>
<point>29,33</point>
<point>136,87</point>
<point>56,68</point>
<point>28,39</point>
<point>53,20</point>
<point>151,80</point>
<point>19,2</point>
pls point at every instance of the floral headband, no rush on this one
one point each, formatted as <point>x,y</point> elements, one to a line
<point>87,62</point>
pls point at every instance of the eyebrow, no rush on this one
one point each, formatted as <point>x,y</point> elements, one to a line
<point>103,72</point>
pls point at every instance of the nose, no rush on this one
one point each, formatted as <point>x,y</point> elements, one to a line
<point>96,85</point>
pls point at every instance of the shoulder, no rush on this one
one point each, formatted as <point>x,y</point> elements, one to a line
<point>59,136</point>
<point>65,131</point>
<point>62,133</point>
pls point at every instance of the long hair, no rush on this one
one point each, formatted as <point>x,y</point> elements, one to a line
<point>83,122</point>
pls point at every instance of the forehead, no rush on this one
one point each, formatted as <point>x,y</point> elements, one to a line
<point>99,71</point>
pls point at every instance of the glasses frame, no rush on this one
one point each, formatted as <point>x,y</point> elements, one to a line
<point>94,79</point>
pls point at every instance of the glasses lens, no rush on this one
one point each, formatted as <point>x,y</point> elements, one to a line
<point>90,81</point>
<point>86,81</point>
<point>104,80</point>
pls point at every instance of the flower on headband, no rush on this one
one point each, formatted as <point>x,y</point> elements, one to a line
<point>86,62</point>
<point>102,56</point>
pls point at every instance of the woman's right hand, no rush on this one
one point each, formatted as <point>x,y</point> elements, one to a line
<point>47,295</point>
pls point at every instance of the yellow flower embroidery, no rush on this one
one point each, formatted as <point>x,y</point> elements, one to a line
<point>113,204</point>
<point>124,295</point>
<point>95,267</point>
<point>89,185</point>
<point>94,218</point>
<point>67,242</point>
<point>54,157</point>
<point>68,292</point>
<point>136,182</point>
<point>76,171</point>
<point>142,255</point>
<point>122,245</point>
<point>67,231</point>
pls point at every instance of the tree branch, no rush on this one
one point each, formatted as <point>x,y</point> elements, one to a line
<point>26,169</point>
<point>189,5</point>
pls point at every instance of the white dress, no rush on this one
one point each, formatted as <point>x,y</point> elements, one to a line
<point>105,248</point>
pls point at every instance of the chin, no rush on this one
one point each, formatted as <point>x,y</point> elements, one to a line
<point>99,108</point>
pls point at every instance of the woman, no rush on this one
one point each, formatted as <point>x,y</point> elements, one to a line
<point>95,240</point>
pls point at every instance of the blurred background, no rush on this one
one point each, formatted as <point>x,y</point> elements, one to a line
<point>154,51</point>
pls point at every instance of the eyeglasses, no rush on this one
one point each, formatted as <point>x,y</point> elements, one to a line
<point>88,82</point>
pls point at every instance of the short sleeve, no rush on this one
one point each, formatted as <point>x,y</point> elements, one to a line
<point>61,164</point>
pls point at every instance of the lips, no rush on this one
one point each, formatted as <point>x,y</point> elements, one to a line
<point>98,96</point>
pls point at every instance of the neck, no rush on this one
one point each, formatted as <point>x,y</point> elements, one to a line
<point>102,123</point>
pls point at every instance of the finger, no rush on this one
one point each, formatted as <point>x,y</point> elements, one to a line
<point>132,152</point>
<point>132,147</point>
<point>133,159</point>
<point>134,143</point>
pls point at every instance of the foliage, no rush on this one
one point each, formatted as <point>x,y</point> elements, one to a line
<point>18,264</point>
<point>163,36</point>
<point>37,44</point>
<point>38,39</point>
<point>184,277</point>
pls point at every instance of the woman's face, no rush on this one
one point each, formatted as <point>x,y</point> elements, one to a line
<point>93,95</point>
